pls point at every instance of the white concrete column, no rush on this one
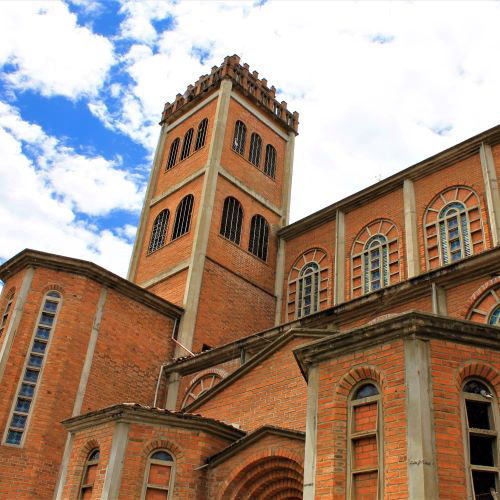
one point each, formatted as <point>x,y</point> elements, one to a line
<point>411,233</point>
<point>339,274</point>
<point>491,190</point>
<point>112,480</point>
<point>280,276</point>
<point>172,391</point>
<point>439,300</point>
<point>287,177</point>
<point>63,468</point>
<point>311,432</point>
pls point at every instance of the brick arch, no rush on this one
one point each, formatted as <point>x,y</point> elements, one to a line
<point>356,375</point>
<point>483,301</point>
<point>480,370</point>
<point>156,444</point>
<point>86,449</point>
<point>79,464</point>
<point>53,286</point>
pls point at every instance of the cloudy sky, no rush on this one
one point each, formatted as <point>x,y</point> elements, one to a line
<point>379,86</point>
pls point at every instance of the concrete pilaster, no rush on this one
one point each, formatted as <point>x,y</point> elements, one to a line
<point>411,233</point>
<point>172,391</point>
<point>112,480</point>
<point>287,177</point>
<point>491,190</point>
<point>63,468</point>
<point>439,300</point>
<point>311,432</point>
<point>339,275</point>
<point>422,467</point>
<point>280,276</point>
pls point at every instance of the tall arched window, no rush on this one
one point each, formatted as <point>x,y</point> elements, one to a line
<point>89,475</point>
<point>495,317</point>
<point>160,476</point>
<point>186,144</point>
<point>201,135</point>
<point>259,237</point>
<point>240,133</point>
<point>159,231</point>
<point>255,149</point>
<point>232,218</point>
<point>486,307</point>
<point>200,386</point>
<point>6,311</point>
<point>172,156</point>
<point>364,443</point>
<point>33,365</point>
<point>270,163</point>
<point>453,227</point>
<point>376,263</point>
<point>183,213</point>
<point>308,286</point>
<point>480,410</point>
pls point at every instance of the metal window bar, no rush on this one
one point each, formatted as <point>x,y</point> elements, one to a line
<point>159,231</point>
<point>5,315</point>
<point>454,232</point>
<point>186,144</point>
<point>172,156</point>
<point>376,263</point>
<point>201,135</point>
<point>255,149</point>
<point>270,163</point>
<point>240,132</point>
<point>232,218</point>
<point>259,237</point>
<point>183,217</point>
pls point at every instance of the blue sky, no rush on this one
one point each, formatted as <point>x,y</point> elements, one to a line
<point>378,85</point>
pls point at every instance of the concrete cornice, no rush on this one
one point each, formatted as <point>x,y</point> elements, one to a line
<point>135,413</point>
<point>35,258</point>
<point>434,163</point>
<point>251,438</point>
<point>410,324</point>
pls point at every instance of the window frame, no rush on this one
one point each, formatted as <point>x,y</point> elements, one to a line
<point>165,232</point>
<point>240,132</point>
<point>367,261</point>
<point>88,463</point>
<point>4,319</point>
<point>202,129</point>
<point>172,160</point>
<point>187,142</point>
<point>236,206</point>
<point>214,378</point>
<point>315,290</point>
<point>255,150</point>
<point>173,236</point>
<point>270,157</point>
<point>443,220</point>
<point>149,462</point>
<point>251,240</point>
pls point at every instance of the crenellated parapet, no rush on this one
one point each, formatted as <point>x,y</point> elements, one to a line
<point>248,82</point>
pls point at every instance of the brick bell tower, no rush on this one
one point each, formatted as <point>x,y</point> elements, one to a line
<point>218,192</point>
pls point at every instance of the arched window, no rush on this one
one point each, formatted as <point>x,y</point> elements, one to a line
<point>453,227</point>
<point>172,156</point>
<point>23,402</point>
<point>308,297</point>
<point>186,144</point>
<point>259,237</point>
<point>270,163</point>
<point>160,476</point>
<point>495,316</point>
<point>232,218</point>
<point>375,257</point>
<point>201,386</point>
<point>6,311</point>
<point>159,231</point>
<point>480,410</point>
<point>201,135</point>
<point>255,149</point>
<point>240,133</point>
<point>364,444</point>
<point>89,475</point>
<point>183,216</point>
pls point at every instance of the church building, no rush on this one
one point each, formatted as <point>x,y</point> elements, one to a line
<point>353,354</point>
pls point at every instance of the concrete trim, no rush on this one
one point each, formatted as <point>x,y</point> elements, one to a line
<point>153,177</point>
<point>422,466</point>
<point>15,319</point>
<point>167,274</point>
<point>203,222</point>
<point>176,187</point>
<point>253,194</point>
<point>287,178</point>
<point>192,111</point>
<point>491,190</point>
<point>63,468</point>
<point>89,356</point>
<point>339,273</point>
<point>259,115</point>
<point>411,235</point>
<point>439,300</point>
<point>172,391</point>
<point>279,280</point>
<point>112,480</point>
<point>311,433</point>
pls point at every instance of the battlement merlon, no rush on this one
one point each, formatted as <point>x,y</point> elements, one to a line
<point>252,87</point>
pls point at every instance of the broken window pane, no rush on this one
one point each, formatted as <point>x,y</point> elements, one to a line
<point>483,483</point>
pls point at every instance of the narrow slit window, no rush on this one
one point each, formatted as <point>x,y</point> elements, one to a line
<point>240,133</point>
<point>376,263</point>
<point>89,475</point>
<point>160,472</point>
<point>172,156</point>
<point>159,231</point>
<point>232,218</point>
<point>186,144</point>
<point>308,290</point>
<point>259,237</point>
<point>183,213</point>
<point>201,135</point>
<point>454,233</point>
<point>5,316</point>
<point>270,163</point>
<point>255,149</point>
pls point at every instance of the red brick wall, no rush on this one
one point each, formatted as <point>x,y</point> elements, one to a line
<point>14,283</point>
<point>172,288</point>
<point>496,158</point>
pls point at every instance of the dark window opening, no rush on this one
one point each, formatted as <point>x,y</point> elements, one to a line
<point>201,135</point>
<point>481,450</point>
<point>259,237</point>
<point>172,157</point>
<point>365,391</point>
<point>206,347</point>
<point>232,218</point>
<point>478,414</point>
<point>484,484</point>
<point>270,163</point>
<point>183,217</point>
<point>186,144</point>
<point>159,232</point>
<point>255,149</point>
<point>240,133</point>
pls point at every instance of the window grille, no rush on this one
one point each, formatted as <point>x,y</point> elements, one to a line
<point>6,311</point>
<point>160,472</point>
<point>375,263</point>
<point>364,444</point>
<point>89,475</point>
<point>200,386</point>
<point>308,285</point>
<point>454,232</point>
<point>201,135</point>
<point>240,133</point>
<point>172,156</point>
<point>481,453</point>
<point>232,218</point>
<point>186,144</point>
<point>183,216</point>
<point>23,403</point>
<point>159,231</point>
<point>255,149</point>
<point>270,163</point>
<point>259,237</point>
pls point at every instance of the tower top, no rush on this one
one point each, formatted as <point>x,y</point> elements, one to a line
<point>248,83</point>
